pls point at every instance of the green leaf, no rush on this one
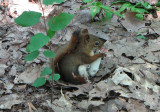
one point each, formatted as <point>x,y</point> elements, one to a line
<point>94,10</point>
<point>118,14</point>
<point>50,33</point>
<point>142,37</point>
<point>158,3</point>
<point>93,3</point>
<point>147,5</point>
<point>105,7</point>
<point>56,77</point>
<point>61,21</point>
<point>39,82</point>
<point>130,7</point>
<point>139,10</point>
<point>109,15</point>
<point>49,54</point>
<point>158,9</point>
<point>119,1</point>
<point>86,1</point>
<point>37,41</point>
<point>27,48</point>
<point>46,71</point>
<point>139,3</point>
<point>133,9</point>
<point>139,16</point>
<point>98,3</point>
<point>124,6</point>
<point>28,18</point>
<point>31,56</point>
<point>50,2</point>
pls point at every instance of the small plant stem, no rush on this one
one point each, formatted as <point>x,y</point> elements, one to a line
<point>50,49</point>
<point>43,16</point>
<point>52,80</point>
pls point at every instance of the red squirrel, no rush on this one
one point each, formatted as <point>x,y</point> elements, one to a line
<point>79,51</point>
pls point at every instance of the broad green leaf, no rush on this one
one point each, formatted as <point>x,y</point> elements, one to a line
<point>50,2</point>
<point>109,15</point>
<point>31,56</point>
<point>142,37</point>
<point>98,3</point>
<point>158,4</point>
<point>61,21</point>
<point>139,16</point>
<point>86,1</point>
<point>105,7</point>
<point>50,33</point>
<point>104,18</point>
<point>56,77</point>
<point>124,6</point>
<point>37,41</point>
<point>49,54</point>
<point>140,2</point>
<point>46,71</point>
<point>158,9</point>
<point>130,7</point>
<point>39,82</point>
<point>28,18</point>
<point>133,9</point>
<point>139,10</point>
<point>147,5</point>
<point>93,3</point>
<point>94,10</point>
<point>118,14</point>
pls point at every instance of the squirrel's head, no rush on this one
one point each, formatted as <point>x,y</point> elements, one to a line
<point>92,41</point>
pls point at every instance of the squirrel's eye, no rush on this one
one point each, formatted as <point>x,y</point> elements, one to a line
<point>96,43</point>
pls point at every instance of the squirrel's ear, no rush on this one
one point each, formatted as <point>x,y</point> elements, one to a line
<point>84,31</point>
<point>76,33</point>
<point>86,39</point>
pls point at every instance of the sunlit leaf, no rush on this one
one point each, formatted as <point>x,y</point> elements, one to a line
<point>39,82</point>
<point>94,10</point>
<point>50,2</point>
<point>49,54</point>
<point>46,71</point>
<point>37,41</point>
<point>31,56</point>
<point>139,16</point>
<point>60,22</point>
<point>28,18</point>
<point>56,77</point>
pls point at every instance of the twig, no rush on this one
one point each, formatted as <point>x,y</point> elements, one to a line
<point>52,79</point>
<point>43,16</point>
<point>31,107</point>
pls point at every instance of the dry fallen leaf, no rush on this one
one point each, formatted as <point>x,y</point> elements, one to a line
<point>63,104</point>
<point>29,75</point>
<point>7,101</point>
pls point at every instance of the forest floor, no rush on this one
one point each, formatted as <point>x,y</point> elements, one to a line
<point>128,79</point>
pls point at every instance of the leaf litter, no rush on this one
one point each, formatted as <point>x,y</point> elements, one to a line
<point>128,79</point>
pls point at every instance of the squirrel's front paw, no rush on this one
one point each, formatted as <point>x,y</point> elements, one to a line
<point>102,54</point>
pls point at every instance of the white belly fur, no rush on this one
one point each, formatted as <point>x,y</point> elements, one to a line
<point>94,67</point>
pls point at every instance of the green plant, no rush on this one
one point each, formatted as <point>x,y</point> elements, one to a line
<point>29,18</point>
<point>142,37</point>
<point>96,7</point>
<point>140,8</point>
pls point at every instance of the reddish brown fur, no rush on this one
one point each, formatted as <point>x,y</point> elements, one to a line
<point>77,53</point>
